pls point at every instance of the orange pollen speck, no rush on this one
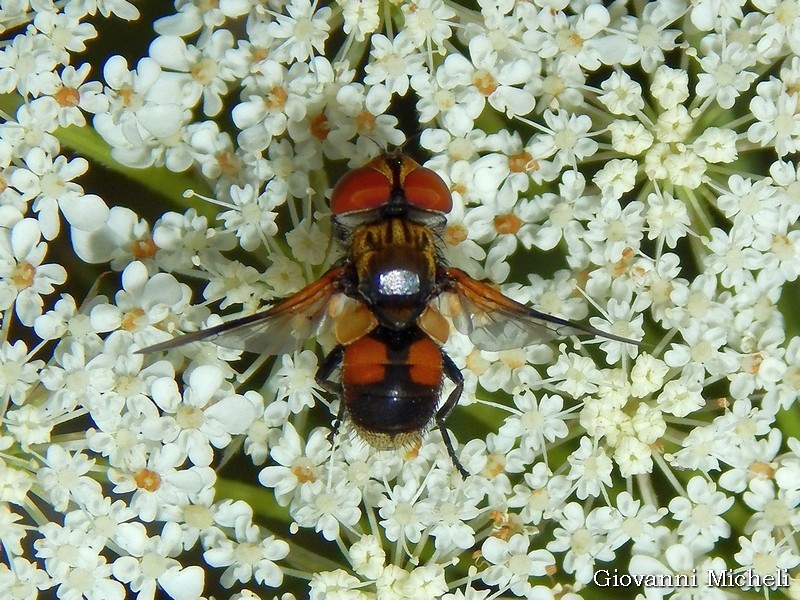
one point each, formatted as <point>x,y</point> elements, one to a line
<point>23,275</point>
<point>754,365</point>
<point>228,164</point>
<point>276,99</point>
<point>495,465</point>
<point>476,363</point>
<point>510,223</point>
<point>68,96</point>
<point>485,82</point>
<point>413,451</point>
<point>581,278</point>
<point>145,248</point>
<point>3,183</point>
<point>455,234</point>
<point>365,122</point>
<point>127,94</point>
<point>505,525</point>
<point>621,266</point>
<point>762,469</point>
<point>304,474</point>
<point>319,127</point>
<point>551,570</point>
<point>147,480</point>
<point>258,55</point>
<point>518,163</point>
<point>722,402</point>
<point>129,321</point>
<point>204,71</point>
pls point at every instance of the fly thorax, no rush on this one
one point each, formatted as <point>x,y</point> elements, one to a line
<point>395,262</point>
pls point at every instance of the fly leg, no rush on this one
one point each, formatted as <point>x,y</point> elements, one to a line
<point>454,374</point>
<point>323,377</point>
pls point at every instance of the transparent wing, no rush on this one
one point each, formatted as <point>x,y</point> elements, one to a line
<point>496,322</point>
<point>283,328</point>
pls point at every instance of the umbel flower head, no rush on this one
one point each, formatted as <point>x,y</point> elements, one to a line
<point>632,165</point>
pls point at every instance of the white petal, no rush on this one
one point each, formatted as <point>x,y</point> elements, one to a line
<point>134,277</point>
<point>170,52</point>
<point>161,120</point>
<point>94,247</point>
<point>88,213</point>
<point>185,584</point>
<point>234,412</point>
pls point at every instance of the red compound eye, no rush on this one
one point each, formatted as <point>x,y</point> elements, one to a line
<point>425,189</point>
<point>360,189</point>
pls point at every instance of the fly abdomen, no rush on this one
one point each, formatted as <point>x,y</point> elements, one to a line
<point>391,384</point>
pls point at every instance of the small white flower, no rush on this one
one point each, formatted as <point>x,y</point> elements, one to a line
<point>296,382</point>
<point>251,217</point>
<point>334,584</point>
<point>591,469</point>
<point>566,139</point>
<point>150,564</point>
<point>142,302</point>
<point>326,509</point>
<point>429,23</point>
<point>725,74</point>
<point>14,487</point>
<point>303,30</point>
<point>513,564</point>
<point>393,62</point>
<point>200,71</point>
<point>64,479</point>
<point>583,537</point>
<point>72,557</point>
<point>764,555</point>
<point>299,466</point>
<point>64,30</point>
<point>773,509</point>
<point>205,413</point>
<point>616,178</point>
<point>494,79</point>
<point>48,182</point>
<point>538,421</point>
<point>17,371</point>
<point>670,86</point>
<point>23,277</point>
<point>249,554</point>
<point>667,218</point>
<point>367,556</point>
<point>403,516</point>
<point>360,18</point>
<point>630,137</point>
<point>639,521</point>
<point>24,578</point>
<point>27,64</point>
<point>160,481</point>
<point>72,95</point>
<point>622,96</point>
<point>700,523</point>
<point>777,122</point>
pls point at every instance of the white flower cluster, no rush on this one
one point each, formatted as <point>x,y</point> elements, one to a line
<point>649,149</point>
